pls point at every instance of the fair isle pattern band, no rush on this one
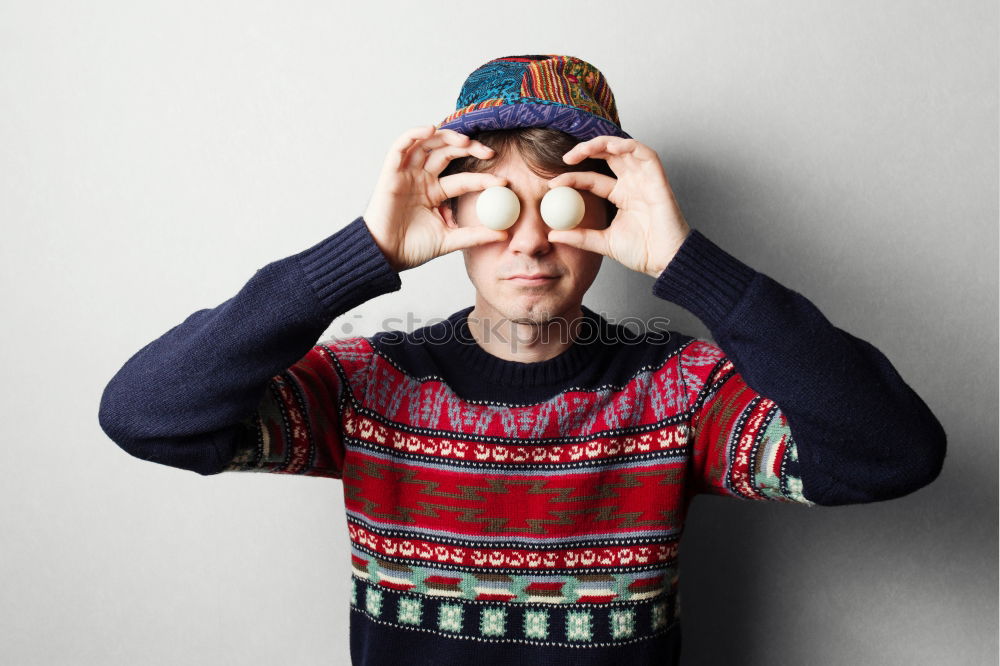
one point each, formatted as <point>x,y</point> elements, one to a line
<point>695,404</point>
<point>599,584</point>
<point>586,625</point>
<point>512,556</point>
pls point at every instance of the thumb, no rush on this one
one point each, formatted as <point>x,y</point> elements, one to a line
<point>591,240</point>
<point>459,238</point>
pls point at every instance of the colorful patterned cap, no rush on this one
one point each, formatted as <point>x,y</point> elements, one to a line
<point>557,91</point>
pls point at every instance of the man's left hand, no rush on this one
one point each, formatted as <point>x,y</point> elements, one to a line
<point>649,227</point>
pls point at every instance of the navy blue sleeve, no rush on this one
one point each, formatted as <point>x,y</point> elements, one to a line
<point>181,400</point>
<point>862,433</point>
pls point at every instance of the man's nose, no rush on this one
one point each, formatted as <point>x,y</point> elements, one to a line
<point>530,234</point>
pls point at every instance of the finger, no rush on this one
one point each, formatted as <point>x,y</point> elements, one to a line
<point>632,148</point>
<point>598,183</point>
<point>458,238</point>
<point>603,147</point>
<point>584,149</point>
<point>448,136</point>
<point>461,183</point>
<point>401,146</point>
<point>443,137</point>
<point>438,159</point>
<point>591,240</point>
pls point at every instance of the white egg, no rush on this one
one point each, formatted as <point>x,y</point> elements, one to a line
<point>498,207</point>
<point>562,208</point>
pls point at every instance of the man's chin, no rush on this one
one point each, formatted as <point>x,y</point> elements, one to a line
<point>535,310</point>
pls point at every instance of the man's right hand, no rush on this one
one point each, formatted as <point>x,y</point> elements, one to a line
<point>402,215</point>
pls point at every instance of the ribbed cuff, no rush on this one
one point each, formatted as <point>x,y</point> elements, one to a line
<point>704,279</point>
<point>347,268</point>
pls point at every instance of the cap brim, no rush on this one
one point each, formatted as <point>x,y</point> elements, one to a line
<point>573,121</point>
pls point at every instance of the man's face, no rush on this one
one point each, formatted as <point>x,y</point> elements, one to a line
<point>527,251</point>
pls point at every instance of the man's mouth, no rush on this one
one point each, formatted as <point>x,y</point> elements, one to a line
<point>532,278</point>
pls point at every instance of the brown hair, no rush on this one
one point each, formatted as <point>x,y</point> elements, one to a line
<point>541,148</point>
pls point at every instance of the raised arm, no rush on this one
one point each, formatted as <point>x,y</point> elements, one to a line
<point>203,395</point>
<point>858,432</point>
<point>182,400</point>
<point>856,429</point>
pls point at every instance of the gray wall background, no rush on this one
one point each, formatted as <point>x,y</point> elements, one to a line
<point>153,155</point>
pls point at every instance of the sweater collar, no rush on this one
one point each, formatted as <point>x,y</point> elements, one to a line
<point>459,344</point>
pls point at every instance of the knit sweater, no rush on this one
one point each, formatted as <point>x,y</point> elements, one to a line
<point>502,512</point>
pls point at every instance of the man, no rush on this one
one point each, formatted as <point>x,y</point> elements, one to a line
<point>516,477</point>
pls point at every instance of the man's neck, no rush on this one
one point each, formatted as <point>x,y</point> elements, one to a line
<point>522,340</point>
